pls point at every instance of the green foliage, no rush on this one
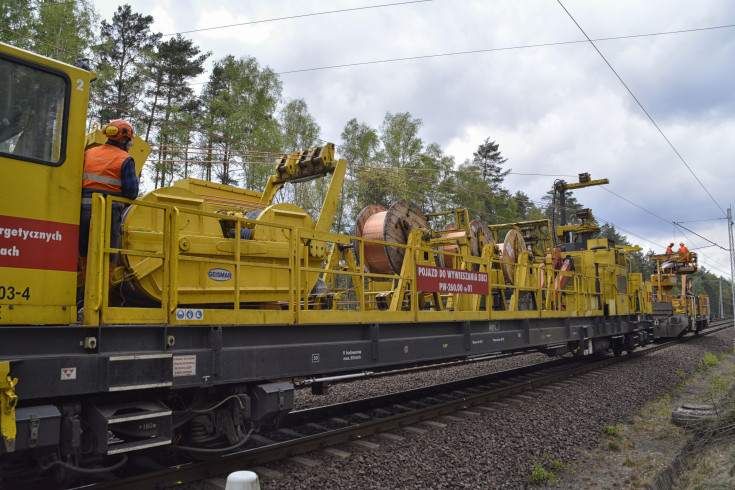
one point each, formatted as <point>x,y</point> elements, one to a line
<point>665,409</point>
<point>611,430</point>
<point>300,131</point>
<point>61,30</point>
<point>540,474</point>
<point>240,102</point>
<point>126,47</point>
<point>18,17</point>
<point>393,163</point>
<point>556,465</point>
<point>709,360</point>
<point>171,102</point>
<point>718,387</point>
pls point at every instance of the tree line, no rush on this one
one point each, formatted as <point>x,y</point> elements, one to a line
<point>231,128</point>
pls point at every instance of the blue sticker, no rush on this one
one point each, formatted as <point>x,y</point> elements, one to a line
<point>219,274</point>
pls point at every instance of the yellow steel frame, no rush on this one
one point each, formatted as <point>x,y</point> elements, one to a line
<point>405,302</point>
<point>33,192</point>
<point>8,402</point>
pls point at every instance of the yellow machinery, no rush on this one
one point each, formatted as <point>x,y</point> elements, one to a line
<point>41,186</point>
<point>41,181</point>
<point>668,267</point>
<point>215,224</point>
<point>682,312</point>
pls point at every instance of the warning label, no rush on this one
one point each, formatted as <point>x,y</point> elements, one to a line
<point>443,280</point>
<point>185,365</point>
<point>189,314</point>
<point>68,373</point>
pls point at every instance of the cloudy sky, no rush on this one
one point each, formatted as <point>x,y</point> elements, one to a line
<point>528,79</point>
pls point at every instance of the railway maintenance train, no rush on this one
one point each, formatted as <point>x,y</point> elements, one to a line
<point>219,294</point>
<point>677,314</point>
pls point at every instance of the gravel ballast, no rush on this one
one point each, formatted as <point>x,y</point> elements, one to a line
<point>495,446</point>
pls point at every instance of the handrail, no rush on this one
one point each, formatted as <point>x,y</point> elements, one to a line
<point>301,263</point>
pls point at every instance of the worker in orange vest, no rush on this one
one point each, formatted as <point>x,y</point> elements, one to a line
<point>669,249</point>
<point>110,170</point>
<point>684,252</point>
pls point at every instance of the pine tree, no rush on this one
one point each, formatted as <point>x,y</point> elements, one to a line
<point>126,47</point>
<point>177,61</point>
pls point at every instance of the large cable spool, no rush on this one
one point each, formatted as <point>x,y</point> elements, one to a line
<point>481,236</point>
<point>390,225</point>
<point>375,257</point>
<point>513,246</point>
<point>448,260</point>
<point>210,277</point>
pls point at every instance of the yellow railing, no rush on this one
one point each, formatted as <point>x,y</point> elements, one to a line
<point>402,299</point>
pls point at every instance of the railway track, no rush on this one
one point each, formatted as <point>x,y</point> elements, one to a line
<point>320,428</point>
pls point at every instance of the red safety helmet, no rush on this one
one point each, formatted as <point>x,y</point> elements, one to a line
<point>118,129</point>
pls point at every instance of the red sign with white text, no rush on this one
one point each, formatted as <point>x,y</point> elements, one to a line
<point>37,244</point>
<point>442,280</point>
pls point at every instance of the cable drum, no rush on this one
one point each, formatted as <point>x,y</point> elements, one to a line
<point>245,233</point>
<point>374,256</point>
<point>513,246</point>
<point>264,275</point>
<point>448,260</point>
<point>392,226</point>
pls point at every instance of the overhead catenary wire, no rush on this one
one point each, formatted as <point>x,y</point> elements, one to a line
<point>675,223</point>
<point>505,48</point>
<point>641,106</point>
<point>700,236</point>
<point>299,16</point>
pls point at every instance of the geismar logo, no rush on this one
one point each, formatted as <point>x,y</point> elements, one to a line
<point>219,274</point>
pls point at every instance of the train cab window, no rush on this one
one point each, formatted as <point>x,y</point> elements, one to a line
<point>33,108</point>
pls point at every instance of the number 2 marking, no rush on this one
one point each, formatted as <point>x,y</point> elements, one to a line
<point>80,84</point>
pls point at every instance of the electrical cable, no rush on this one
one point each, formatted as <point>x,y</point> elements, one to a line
<point>641,106</point>
<point>506,48</point>
<point>86,471</point>
<point>367,7</point>
<point>675,223</point>
<point>237,445</point>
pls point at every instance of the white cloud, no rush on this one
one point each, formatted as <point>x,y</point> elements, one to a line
<point>252,34</point>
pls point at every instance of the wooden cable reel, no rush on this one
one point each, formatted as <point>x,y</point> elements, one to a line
<point>390,225</point>
<point>481,236</point>
<point>448,260</point>
<point>513,246</point>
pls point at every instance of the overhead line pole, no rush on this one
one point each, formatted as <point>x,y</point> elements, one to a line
<point>732,263</point>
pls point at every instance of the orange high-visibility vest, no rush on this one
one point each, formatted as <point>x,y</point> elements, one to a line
<point>103,168</point>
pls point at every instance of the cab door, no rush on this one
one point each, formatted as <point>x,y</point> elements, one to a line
<point>43,110</point>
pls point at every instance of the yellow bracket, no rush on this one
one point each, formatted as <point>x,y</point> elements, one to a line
<point>8,402</point>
